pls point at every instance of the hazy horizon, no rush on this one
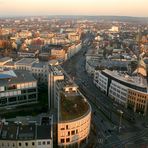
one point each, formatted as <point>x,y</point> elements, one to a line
<point>133,8</point>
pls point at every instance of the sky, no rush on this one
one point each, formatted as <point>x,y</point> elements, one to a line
<point>74,7</point>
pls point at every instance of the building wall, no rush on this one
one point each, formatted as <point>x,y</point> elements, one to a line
<point>72,50</point>
<point>74,131</point>
<point>8,143</point>
<point>89,68</point>
<point>42,143</point>
<point>118,92</point>
<point>58,53</point>
<point>41,73</point>
<point>52,89</point>
<point>4,62</point>
<point>18,94</point>
<point>102,82</point>
<point>138,101</point>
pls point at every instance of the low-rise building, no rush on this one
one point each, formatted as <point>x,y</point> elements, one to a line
<point>17,88</point>
<point>4,60</point>
<point>27,53</point>
<point>73,49</point>
<point>28,134</point>
<point>58,53</point>
<point>25,63</point>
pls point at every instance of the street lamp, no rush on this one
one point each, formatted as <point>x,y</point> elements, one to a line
<point>121,113</point>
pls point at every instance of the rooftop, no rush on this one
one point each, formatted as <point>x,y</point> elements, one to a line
<point>44,132</point>
<point>134,80</point>
<point>5,59</point>
<point>8,132</point>
<point>19,76</point>
<point>92,52</point>
<point>57,70</point>
<point>72,106</point>
<point>11,63</point>
<point>26,128</point>
<point>26,61</point>
<point>39,64</point>
<point>25,132</point>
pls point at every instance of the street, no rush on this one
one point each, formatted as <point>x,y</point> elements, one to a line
<point>105,112</point>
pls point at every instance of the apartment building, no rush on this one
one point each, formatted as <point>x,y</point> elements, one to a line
<point>28,134</point>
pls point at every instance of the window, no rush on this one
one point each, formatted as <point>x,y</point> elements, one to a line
<point>31,90</point>
<point>72,132</point>
<point>26,143</point>
<point>62,128</point>
<point>48,142</point>
<point>20,144</point>
<point>62,140</point>
<point>12,99</point>
<point>32,96</point>
<point>44,143</point>
<point>67,139</point>
<point>69,133</point>
<point>23,91</point>
<point>33,143</point>
<point>66,126</point>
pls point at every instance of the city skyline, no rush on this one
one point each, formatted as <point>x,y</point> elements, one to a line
<point>66,7</point>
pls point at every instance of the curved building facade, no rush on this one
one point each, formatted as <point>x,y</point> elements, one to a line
<point>129,91</point>
<point>74,119</point>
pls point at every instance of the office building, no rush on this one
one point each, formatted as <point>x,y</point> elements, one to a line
<point>55,74</point>
<point>17,88</point>
<point>74,117</point>
<point>130,91</point>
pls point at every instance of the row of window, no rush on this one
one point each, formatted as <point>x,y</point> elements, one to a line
<point>75,132</point>
<point>17,99</point>
<point>78,124</point>
<point>118,93</point>
<point>141,106</point>
<point>63,140</point>
<point>117,86</point>
<point>139,100</point>
<point>27,144</point>
<point>139,95</point>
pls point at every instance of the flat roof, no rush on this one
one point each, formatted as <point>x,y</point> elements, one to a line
<point>8,132</point>
<point>26,61</point>
<point>14,131</point>
<point>57,70</point>
<point>72,106</point>
<point>5,59</point>
<point>11,63</point>
<point>26,132</point>
<point>44,132</point>
<point>22,76</point>
<point>39,64</point>
<point>134,80</point>
<point>92,52</point>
